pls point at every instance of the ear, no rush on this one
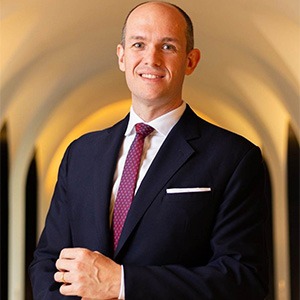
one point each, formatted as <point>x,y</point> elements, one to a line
<point>120,54</point>
<point>193,59</point>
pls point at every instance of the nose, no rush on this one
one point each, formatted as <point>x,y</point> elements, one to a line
<point>153,57</point>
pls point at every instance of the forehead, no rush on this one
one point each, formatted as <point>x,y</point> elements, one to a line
<point>156,19</point>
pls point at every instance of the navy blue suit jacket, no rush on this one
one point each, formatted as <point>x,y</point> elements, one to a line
<point>202,245</point>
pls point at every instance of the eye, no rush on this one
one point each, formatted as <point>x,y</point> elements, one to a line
<point>169,47</point>
<point>138,45</point>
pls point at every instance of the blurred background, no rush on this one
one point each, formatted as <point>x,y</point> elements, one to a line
<point>60,79</point>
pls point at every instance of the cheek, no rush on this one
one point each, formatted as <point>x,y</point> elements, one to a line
<point>177,67</point>
<point>129,66</point>
<point>130,79</point>
<point>178,73</point>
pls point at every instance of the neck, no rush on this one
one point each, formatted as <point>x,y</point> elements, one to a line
<point>151,112</point>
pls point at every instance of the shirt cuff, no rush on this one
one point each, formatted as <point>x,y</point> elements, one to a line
<point>122,287</point>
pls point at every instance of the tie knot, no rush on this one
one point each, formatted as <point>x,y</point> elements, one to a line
<point>143,129</point>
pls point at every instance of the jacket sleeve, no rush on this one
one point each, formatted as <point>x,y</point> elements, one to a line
<point>237,268</point>
<point>55,236</point>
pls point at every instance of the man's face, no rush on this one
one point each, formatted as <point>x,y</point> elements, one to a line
<point>154,56</point>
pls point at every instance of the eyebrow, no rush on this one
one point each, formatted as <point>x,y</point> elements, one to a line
<point>170,39</point>
<point>136,37</point>
<point>165,39</point>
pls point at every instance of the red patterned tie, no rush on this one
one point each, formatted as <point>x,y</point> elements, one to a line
<point>128,180</point>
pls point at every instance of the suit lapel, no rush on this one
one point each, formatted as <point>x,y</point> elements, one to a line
<point>107,156</point>
<point>175,151</point>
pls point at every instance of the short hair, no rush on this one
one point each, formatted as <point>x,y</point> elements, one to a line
<point>189,32</point>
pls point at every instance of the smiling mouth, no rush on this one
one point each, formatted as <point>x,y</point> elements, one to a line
<point>151,76</point>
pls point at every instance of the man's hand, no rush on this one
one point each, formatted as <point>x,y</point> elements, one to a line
<point>87,274</point>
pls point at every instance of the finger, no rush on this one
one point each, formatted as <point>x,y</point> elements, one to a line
<point>68,253</point>
<point>67,290</point>
<point>72,253</point>
<point>64,265</point>
<point>57,276</point>
<point>62,277</point>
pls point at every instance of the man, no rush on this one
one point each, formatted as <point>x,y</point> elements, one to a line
<point>195,228</point>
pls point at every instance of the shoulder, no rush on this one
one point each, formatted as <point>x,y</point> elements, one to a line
<point>213,133</point>
<point>88,140</point>
<point>97,141</point>
<point>223,135</point>
<point>216,141</point>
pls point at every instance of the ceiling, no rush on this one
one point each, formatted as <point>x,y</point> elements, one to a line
<point>58,64</point>
<point>60,78</point>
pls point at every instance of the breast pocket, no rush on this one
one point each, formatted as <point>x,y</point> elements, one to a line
<point>189,216</point>
<point>188,194</point>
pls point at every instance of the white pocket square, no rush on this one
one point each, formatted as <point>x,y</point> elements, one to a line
<point>188,190</point>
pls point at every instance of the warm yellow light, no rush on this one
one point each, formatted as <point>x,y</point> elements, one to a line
<point>101,119</point>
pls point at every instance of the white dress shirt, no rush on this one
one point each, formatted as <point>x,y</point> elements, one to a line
<point>162,126</point>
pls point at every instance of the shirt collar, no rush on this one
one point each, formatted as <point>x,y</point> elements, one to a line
<point>162,124</point>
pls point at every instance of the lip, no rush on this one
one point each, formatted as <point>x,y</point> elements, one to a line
<point>151,76</point>
<point>151,73</point>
